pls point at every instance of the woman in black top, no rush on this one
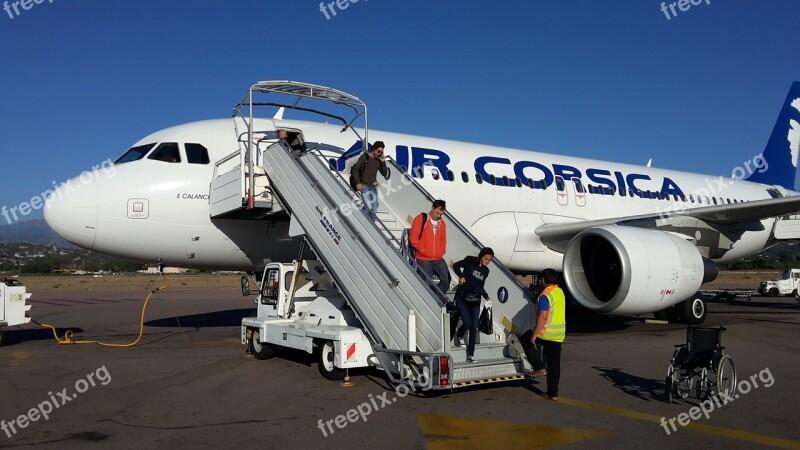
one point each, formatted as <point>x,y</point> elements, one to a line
<point>472,273</point>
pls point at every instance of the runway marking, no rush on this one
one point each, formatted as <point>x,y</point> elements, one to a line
<point>458,433</point>
<point>704,428</point>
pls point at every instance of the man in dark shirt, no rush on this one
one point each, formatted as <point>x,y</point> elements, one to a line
<point>365,172</point>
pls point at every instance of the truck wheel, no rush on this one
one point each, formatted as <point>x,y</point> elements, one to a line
<point>693,311</point>
<point>326,353</point>
<point>261,350</point>
<point>773,292</point>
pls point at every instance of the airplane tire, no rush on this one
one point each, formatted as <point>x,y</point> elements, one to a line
<point>261,350</point>
<point>693,311</point>
<point>326,353</point>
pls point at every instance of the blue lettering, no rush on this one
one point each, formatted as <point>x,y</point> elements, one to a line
<point>546,175</point>
<point>480,167</point>
<point>633,177</point>
<point>620,183</point>
<point>668,187</point>
<point>566,172</point>
<point>597,176</point>
<point>354,150</point>
<point>401,155</point>
<point>429,156</point>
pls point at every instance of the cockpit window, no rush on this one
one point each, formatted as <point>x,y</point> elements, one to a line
<point>196,154</point>
<point>134,153</point>
<point>167,152</point>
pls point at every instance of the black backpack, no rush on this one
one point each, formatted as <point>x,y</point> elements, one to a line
<point>360,172</point>
<point>411,250</point>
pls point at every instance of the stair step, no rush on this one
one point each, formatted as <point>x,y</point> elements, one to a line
<point>485,369</point>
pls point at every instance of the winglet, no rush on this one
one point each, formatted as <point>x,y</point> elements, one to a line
<point>279,115</point>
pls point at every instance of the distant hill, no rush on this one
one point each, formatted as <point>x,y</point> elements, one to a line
<point>34,231</point>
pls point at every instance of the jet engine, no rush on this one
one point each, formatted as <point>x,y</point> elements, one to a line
<point>630,271</point>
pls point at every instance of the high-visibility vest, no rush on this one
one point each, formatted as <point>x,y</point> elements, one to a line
<point>555,326</point>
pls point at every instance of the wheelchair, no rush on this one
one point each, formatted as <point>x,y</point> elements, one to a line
<point>701,365</point>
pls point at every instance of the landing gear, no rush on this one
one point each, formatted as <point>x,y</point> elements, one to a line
<point>692,311</point>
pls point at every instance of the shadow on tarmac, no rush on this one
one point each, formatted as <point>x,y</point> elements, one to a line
<point>229,318</point>
<point>641,388</point>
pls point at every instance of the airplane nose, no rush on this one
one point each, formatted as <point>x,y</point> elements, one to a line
<point>72,212</point>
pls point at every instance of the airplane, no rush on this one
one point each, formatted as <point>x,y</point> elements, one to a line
<point>613,230</point>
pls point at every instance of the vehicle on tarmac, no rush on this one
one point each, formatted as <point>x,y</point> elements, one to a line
<point>13,308</point>
<point>786,285</point>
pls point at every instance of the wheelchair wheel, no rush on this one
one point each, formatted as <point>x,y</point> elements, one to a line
<point>670,383</point>
<point>726,378</point>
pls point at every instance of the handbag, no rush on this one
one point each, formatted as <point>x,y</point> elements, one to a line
<point>485,321</point>
<point>471,299</point>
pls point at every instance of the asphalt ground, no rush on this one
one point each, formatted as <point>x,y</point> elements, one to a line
<point>189,384</point>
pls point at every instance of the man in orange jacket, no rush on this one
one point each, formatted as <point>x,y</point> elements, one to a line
<point>428,236</point>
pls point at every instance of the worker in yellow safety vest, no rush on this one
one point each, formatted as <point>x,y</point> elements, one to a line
<point>548,334</point>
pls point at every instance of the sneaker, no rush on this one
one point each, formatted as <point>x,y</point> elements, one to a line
<point>537,373</point>
<point>459,342</point>
<point>471,359</point>
<point>550,397</point>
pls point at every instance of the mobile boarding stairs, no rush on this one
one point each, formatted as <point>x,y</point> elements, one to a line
<point>397,313</point>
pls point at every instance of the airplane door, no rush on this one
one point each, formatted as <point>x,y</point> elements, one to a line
<point>580,192</point>
<point>561,191</point>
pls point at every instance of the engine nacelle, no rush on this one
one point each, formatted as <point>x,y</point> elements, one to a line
<point>629,271</point>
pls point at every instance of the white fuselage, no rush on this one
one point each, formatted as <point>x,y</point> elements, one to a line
<point>153,210</point>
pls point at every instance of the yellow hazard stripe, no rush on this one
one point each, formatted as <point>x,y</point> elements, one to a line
<point>488,380</point>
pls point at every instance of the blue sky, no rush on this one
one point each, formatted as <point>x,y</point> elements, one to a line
<point>83,80</point>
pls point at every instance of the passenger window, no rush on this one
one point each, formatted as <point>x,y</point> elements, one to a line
<point>450,176</point>
<point>478,178</point>
<point>134,153</point>
<point>166,152</point>
<point>492,180</point>
<point>435,174</point>
<point>196,154</point>
<point>530,183</point>
<point>464,177</point>
<point>560,184</point>
<point>505,181</point>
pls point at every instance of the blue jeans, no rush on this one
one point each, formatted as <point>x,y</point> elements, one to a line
<point>439,267</point>
<point>370,196</point>
<point>469,317</point>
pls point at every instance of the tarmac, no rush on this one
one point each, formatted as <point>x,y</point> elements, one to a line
<point>188,383</point>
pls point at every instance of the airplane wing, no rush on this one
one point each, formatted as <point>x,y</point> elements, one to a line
<point>556,235</point>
